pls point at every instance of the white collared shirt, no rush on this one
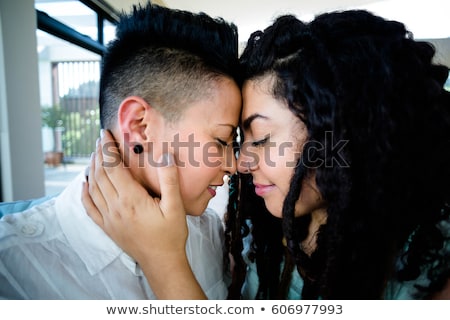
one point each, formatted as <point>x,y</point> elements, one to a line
<point>55,251</point>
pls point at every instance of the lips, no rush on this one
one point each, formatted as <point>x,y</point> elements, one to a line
<point>212,190</point>
<point>263,189</point>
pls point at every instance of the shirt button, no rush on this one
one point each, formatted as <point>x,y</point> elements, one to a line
<point>31,229</point>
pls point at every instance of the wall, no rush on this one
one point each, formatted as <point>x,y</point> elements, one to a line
<point>22,173</point>
<point>442,50</point>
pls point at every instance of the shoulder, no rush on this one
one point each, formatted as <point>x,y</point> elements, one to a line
<point>33,225</point>
<point>209,219</point>
<point>206,228</point>
<point>21,205</point>
<point>25,239</point>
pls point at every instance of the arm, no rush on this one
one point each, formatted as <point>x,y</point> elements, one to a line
<point>151,230</point>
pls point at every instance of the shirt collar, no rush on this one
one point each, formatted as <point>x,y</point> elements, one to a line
<point>88,240</point>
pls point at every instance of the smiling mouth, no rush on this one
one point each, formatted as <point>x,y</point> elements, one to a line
<point>262,190</point>
<point>212,190</point>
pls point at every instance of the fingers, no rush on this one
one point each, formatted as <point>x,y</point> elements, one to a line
<point>90,206</point>
<point>113,166</point>
<point>91,196</point>
<point>112,192</point>
<point>99,191</point>
<point>171,203</point>
<point>97,180</point>
<point>107,159</point>
<point>110,154</point>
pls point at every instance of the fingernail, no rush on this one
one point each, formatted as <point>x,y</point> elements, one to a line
<point>102,133</point>
<point>86,173</point>
<point>167,160</point>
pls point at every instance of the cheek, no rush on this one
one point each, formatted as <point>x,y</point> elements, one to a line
<point>188,182</point>
<point>282,168</point>
<point>310,199</point>
<point>194,180</point>
<point>287,154</point>
<point>211,156</point>
<point>147,177</point>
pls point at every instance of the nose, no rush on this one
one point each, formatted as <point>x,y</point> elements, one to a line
<point>245,162</point>
<point>230,163</point>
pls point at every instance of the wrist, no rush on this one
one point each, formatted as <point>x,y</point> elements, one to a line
<point>171,277</point>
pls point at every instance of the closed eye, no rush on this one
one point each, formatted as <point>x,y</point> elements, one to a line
<point>221,142</point>
<point>260,142</point>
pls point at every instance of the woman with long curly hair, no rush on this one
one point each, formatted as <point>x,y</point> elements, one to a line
<point>346,137</point>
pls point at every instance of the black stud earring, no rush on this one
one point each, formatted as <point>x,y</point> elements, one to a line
<point>138,149</point>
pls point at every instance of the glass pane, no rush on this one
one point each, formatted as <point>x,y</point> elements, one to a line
<point>109,31</point>
<point>69,84</point>
<point>72,13</point>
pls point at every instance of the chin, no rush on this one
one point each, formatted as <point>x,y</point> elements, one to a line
<point>194,214</point>
<point>276,211</point>
<point>196,211</point>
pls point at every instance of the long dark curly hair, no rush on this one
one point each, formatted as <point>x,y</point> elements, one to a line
<point>358,79</point>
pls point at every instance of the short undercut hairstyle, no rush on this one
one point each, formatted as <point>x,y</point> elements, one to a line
<point>170,58</point>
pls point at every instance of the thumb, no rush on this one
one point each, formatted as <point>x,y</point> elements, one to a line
<point>171,203</point>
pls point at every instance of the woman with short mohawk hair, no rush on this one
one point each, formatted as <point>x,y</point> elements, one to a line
<point>167,80</point>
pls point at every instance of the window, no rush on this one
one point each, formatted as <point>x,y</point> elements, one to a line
<point>70,38</point>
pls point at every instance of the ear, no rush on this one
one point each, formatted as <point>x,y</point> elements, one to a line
<point>132,120</point>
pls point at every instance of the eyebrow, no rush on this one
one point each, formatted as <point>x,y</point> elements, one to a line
<point>247,122</point>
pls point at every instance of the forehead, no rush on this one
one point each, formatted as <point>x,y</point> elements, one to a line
<point>221,104</point>
<point>257,98</point>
